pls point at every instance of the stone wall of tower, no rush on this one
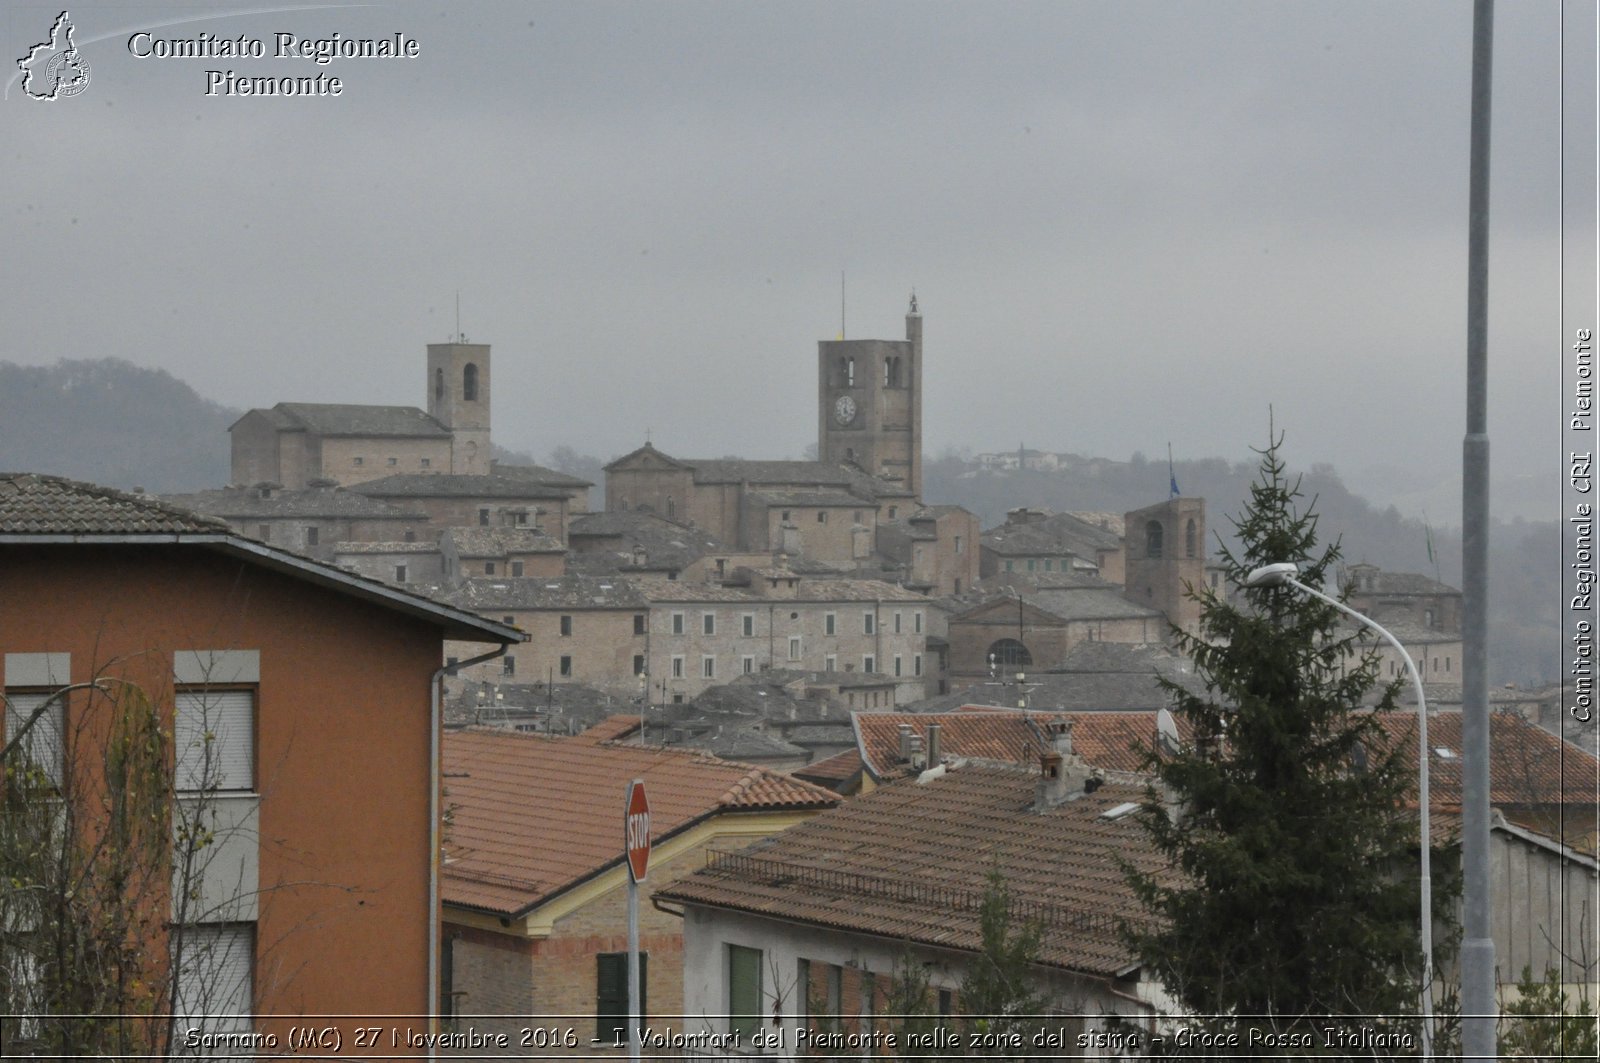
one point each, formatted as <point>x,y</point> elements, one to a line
<point>458,396</point>
<point>869,404</point>
<point>1165,554</point>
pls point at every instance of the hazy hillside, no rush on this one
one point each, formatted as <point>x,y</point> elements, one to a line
<point>1524,558</point>
<point>111,422</point>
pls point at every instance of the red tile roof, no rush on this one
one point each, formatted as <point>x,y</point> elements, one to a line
<point>1104,739</point>
<point>911,861</point>
<point>1527,764</point>
<point>532,816</point>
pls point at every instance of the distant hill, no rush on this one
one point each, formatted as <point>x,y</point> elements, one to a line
<point>111,422</point>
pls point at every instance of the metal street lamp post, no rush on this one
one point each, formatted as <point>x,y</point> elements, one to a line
<point>1283,574</point>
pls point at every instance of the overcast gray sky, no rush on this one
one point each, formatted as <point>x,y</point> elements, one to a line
<point>1126,223</point>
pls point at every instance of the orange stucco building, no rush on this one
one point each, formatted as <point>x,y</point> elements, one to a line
<point>317,727</point>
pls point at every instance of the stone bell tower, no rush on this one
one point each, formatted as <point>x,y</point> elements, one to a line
<point>458,397</point>
<point>869,404</point>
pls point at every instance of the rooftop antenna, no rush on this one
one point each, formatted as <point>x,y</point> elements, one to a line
<point>841,304</point>
<point>458,337</point>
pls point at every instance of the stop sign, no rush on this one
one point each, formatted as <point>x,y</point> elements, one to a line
<point>636,830</point>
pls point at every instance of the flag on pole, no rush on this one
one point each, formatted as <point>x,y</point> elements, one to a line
<point>1171,475</point>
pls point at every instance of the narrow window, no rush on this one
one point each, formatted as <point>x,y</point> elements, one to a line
<point>828,622</point>
<point>748,625</point>
<point>869,663</point>
<point>830,663</point>
<point>312,535</point>
<point>677,667</point>
<point>638,624</point>
<point>488,568</point>
<point>566,626</point>
<point>744,990</point>
<point>822,516</point>
<point>677,623</point>
<point>916,664</point>
<point>708,667</point>
<point>469,383</point>
<point>611,995</point>
<point>897,621</point>
<point>917,621</point>
<point>516,568</point>
<point>483,517</point>
<point>892,511</point>
<point>897,665</point>
<point>1189,543</point>
<point>869,623</point>
<point>1152,539</point>
<point>399,573</point>
<point>747,665</point>
<point>438,385</point>
<point>638,664</point>
<point>794,647</point>
<point>566,666</point>
<point>708,623</point>
<point>508,665</point>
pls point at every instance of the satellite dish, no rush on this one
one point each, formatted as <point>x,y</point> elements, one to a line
<point>1167,734</point>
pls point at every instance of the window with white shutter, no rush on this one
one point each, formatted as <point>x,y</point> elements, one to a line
<point>215,740</point>
<point>42,744</point>
<point>216,979</point>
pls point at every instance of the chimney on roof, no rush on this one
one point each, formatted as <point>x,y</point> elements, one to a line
<point>1063,775</point>
<point>905,741</point>
<point>640,557</point>
<point>935,753</point>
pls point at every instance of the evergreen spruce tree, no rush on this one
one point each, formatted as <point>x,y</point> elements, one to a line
<point>1292,896</point>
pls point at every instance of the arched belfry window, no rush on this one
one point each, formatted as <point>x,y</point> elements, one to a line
<point>1188,539</point>
<point>438,384</point>
<point>469,383</point>
<point>1152,539</point>
<point>847,371</point>
<point>1009,654</point>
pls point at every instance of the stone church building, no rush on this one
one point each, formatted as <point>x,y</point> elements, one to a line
<point>294,443</point>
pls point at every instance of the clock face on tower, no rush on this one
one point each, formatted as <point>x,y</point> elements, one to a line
<point>844,410</point>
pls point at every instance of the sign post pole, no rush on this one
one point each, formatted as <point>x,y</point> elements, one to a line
<point>636,840</point>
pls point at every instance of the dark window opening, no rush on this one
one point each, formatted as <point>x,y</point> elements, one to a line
<point>1152,539</point>
<point>469,383</point>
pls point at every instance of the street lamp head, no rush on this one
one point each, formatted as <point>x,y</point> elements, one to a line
<point>1275,575</point>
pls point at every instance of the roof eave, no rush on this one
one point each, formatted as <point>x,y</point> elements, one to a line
<point>456,623</point>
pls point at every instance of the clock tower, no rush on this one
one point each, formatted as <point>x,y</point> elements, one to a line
<point>869,397</point>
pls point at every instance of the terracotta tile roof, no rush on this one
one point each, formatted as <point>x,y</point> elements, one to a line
<point>609,729</point>
<point>841,767</point>
<point>456,485</point>
<point>1104,739</point>
<point>1527,764</point>
<point>911,861</point>
<point>243,503</point>
<point>335,419</point>
<point>533,815</point>
<point>552,592</point>
<point>498,542</point>
<point>31,504</point>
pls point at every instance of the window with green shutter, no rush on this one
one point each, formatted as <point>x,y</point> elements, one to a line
<point>744,990</point>
<point>611,994</point>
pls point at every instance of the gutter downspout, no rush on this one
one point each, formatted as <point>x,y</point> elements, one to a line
<point>435,838</point>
